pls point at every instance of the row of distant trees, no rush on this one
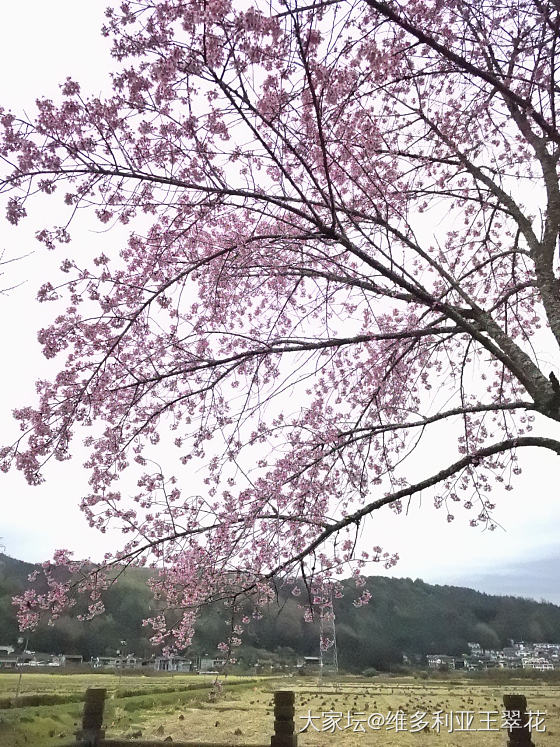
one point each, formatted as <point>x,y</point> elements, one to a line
<point>406,617</point>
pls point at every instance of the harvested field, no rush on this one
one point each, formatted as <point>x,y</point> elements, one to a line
<point>458,713</point>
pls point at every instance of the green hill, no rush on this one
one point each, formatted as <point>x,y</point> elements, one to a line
<point>404,616</point>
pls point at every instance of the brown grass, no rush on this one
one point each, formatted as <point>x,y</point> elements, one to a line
<point>244,714</point>
<point>247,716</point>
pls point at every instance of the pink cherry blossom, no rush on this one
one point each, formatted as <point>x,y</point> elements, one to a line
<point>342,225</point>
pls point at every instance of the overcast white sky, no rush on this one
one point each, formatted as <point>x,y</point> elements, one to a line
<point>40,44</point>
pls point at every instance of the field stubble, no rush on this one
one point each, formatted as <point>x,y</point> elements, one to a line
<point>244,712</point>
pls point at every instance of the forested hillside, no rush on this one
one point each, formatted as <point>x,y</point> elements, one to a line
<point>404,616</point>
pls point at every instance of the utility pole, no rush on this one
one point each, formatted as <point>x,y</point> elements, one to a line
<point>327,636</point>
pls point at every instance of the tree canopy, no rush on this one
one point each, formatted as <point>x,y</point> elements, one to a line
<point>342,221</point>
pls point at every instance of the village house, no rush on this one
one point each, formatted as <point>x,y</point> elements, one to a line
<point>539,656</point>
<point>8,657</point>
<point>309,665</point>
<point>441,661</point>
<point>172,664</point>
<point>72,660</point>
<point>539,663</point>
<point>209,664</point>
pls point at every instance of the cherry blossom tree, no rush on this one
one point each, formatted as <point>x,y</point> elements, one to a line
<point>341,227</point>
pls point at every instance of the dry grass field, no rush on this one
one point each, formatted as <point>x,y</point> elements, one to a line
<point>37,721</point>
<point>244,712</point>
<point>452,700</point>
<point>69,684</point>
<point>247,716</point>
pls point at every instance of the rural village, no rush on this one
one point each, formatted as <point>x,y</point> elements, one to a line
<point>542,657</point>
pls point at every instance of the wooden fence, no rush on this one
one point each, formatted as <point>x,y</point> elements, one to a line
<point>92,733</point>
<point>521,736</point>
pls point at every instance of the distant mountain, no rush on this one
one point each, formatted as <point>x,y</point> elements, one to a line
<point>126,606</point>
<point>404,616</point>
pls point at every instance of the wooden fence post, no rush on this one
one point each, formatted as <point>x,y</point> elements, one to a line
<point>284,726</point>
<point>91,732</point>
<point>518,736</point>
